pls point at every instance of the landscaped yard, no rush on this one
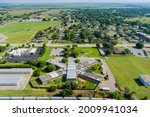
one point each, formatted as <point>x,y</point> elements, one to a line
<point>22,32</point>
<point>126,70</point>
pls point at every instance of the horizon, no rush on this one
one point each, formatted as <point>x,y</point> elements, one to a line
<point>73,1</point>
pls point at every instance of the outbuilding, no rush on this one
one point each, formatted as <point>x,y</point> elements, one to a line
<point>145,79</point>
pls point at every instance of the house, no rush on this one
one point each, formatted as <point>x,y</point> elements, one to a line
<point>15,78</point>
<point>144,79</point>
<point>118,50</point>
<point>143,37</point>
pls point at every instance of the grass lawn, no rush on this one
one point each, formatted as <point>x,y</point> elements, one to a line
<point>85,84</point>
<point>142,19</point>
<point>126,70</point>
<point>21,12</point>
<point>52,12</point>
<point>89,52</point>
<point>22,32</point>
<point>46,55</point>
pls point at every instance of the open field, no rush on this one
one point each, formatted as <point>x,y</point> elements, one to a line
<point>142,19</point>
<point>51,12</point>
<point>126,70</point>
<point>89,52</point>
<point>21,12</point>
<point>22,32</point>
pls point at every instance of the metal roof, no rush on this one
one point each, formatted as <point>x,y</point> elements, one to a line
<point>51,76</point>
<point>71,75</point>
<point>145,78</point>
<point>16,70</point>
<point>10,79</point>
<point>71,71</point>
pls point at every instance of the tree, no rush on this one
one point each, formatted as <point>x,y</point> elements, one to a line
<point>7,45</point>
<point>52,88</point>
<point>32,62</point>
<point>66,92</point>
<point>127,51</point>
<point>77,60</point>
<point>140,45</point>
<point>108,51</point>
<point>50,68</point>
<point>65,60</point>
<point>2,48</point>
<point>41,64</point>
<point>128,94</point>
<point>117,95</point>
<point>70,85</point>
<point>37,73</point>
<point>75,53</point>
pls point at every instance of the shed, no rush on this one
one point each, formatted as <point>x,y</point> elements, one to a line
<point>145,79</point>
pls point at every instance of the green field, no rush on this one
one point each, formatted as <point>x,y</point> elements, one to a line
<point>51,12</point>
<point>142,19</point>
<point>46,55</point>
<point>89,52</point>
<point>21,12</point>
<point>22,32</point>
<point>126,70</point>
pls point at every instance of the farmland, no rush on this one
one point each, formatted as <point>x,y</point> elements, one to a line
<point>126,70</point>
<point>22,32</point>
<point>21,12</point>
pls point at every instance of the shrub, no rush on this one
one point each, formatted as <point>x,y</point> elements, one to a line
<point>65,60</point>
<point>37,73</point>
<point>77,60</point>
<point>140,45</point>
<point>50,68</point>
<point>52,88</point>
<point>66,92</point>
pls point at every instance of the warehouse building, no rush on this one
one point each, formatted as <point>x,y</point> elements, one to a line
<point>15,78</point>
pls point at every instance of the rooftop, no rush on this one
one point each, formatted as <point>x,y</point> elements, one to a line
<point>146,78</point>
<point>50,76</point>
<point>10,80</point>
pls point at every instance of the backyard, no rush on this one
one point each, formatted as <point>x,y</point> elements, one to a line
<point>126,70</point>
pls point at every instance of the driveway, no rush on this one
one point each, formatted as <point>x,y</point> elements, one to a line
<point>111,82</point>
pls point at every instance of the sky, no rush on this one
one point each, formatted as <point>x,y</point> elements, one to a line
<point>74,1</point>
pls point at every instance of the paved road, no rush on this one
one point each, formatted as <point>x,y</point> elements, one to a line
<point>80,45</point>
<point>111,82</point>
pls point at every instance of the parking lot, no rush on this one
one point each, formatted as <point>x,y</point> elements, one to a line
<point>57,52</point>
<point>139,52</point>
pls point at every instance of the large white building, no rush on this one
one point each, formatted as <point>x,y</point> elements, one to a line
<point>23,51</point>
